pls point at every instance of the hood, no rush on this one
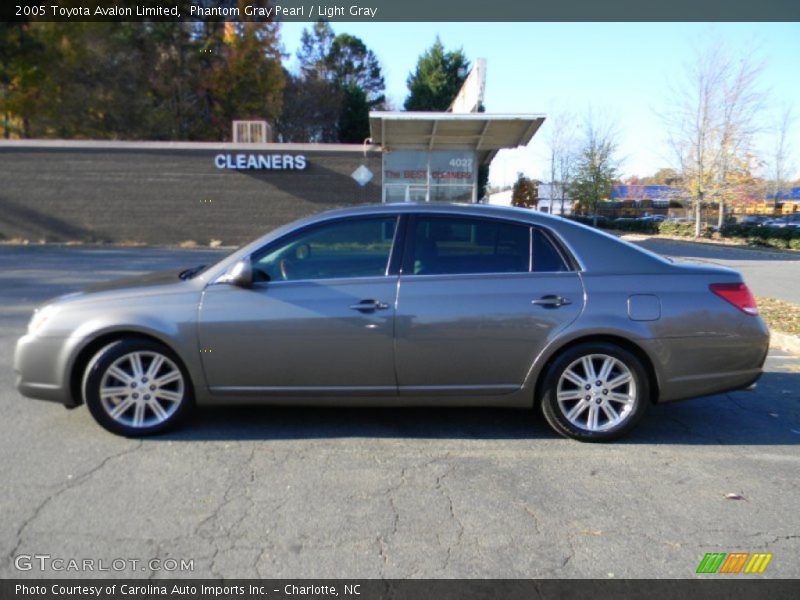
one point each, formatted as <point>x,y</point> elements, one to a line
<point>148,284</point>
<point>136,281</point>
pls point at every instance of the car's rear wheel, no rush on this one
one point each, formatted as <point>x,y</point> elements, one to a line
<point>137,387</point>
<point>595,392</point>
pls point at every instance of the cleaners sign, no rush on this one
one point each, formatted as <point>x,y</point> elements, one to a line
<point>269,162</point>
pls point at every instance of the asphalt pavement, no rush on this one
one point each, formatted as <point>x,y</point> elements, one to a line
<point>769,273</point>
<point>306,492</point>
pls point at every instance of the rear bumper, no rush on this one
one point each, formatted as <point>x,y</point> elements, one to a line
<point>38,369</point>
<point>700,366</point>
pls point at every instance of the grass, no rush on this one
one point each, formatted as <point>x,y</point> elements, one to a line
<point>779,315</point>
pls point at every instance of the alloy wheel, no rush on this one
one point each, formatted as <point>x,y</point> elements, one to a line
<point>596,392</point>
<point>141,389</point>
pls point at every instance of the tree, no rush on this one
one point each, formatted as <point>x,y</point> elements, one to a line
<point>437,79</point>
<point>73,80</point>
<point>352,65</point>
<point>249,82</point>
<point>353,124</point>
<point>780,166</point>
<point>315,47</point>
<point>595,166</point>
<point>340,81</point>
<point>524,193</point>
<point>561,146</point>
<point>664,176</point>
<point>711,124</point>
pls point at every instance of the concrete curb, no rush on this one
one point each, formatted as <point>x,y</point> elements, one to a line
<point>785,341</point>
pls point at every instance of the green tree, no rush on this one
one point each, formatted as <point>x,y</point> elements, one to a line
<point>596,167</point>
<point>438,77</point>
<point>315,48</point>
<point>340,81</point>
<point>352,65</point>
<point>525,192</point>
<point>353,124</point>
<point>249,82</point>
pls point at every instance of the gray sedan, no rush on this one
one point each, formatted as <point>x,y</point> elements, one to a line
<point>404,305</point>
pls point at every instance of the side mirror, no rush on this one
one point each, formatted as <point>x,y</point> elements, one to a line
<point>240,274</point>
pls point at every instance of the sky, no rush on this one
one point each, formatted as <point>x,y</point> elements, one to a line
<point>622,72</point>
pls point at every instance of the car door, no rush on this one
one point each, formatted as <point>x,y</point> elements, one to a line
<point>478,300</point>
<point>318,319</point>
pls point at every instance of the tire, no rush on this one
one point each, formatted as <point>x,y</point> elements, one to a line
<point>152,391</point>
<point>602,412</point>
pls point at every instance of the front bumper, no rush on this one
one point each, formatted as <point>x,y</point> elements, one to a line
<point>40,369</point>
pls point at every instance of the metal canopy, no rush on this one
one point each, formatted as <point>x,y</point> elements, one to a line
<point>481,132</point>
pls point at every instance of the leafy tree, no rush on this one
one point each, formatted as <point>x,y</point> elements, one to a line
<point>249,82</point>
<point>353,125</point>
<point>340,81</point>
<point>596,167</point>
<point>524,193</point>
<point>87,79</point>
<point>315,48</point>
<point>437,79</point>
<point>351,64</point>
<point>311,109</point>
<point>665,176</point>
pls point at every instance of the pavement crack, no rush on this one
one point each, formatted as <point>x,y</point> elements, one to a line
<point>70,485</point>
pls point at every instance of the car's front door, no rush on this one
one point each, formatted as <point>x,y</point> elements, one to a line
<point>318,319</point>
<point>478,300</point>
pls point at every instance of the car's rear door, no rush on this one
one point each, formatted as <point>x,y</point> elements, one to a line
<point>319,321</point>
<point>478,300</point>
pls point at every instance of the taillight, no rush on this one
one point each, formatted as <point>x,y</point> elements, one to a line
<point>737,294</point>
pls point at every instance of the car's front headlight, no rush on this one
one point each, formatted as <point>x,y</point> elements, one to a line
<point>40,316</point>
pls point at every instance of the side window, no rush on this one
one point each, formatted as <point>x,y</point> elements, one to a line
<point>546,258</point>
<point>346,248</point>
<point>452,245</point>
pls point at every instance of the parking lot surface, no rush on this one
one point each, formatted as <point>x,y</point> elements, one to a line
<point>769,273</point>
<point>306,492</point>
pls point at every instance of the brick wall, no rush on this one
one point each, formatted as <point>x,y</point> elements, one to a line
<point>166,193</point>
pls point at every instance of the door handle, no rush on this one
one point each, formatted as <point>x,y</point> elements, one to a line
<point>551,301</point>
<point>369,305</point>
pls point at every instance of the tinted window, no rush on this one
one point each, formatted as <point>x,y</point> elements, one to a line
<point>351,248</point>
<point>449,245</point>
<point>546,257</point>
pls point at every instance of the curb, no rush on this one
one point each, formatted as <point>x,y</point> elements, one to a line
<point>785,341</point>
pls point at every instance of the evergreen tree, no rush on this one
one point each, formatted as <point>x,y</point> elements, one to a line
<point>437,79</point>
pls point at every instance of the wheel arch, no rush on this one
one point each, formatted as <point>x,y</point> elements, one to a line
<point>95,344</point>
<point>621,341</point>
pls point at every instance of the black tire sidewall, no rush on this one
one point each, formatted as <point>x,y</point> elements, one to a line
<point>104,358</point>
<point>558,421</point>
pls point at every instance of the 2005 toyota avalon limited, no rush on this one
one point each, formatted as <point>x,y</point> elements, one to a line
<point>404,305</point>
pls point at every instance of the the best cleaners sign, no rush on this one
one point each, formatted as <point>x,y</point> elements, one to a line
<point>269,162</point>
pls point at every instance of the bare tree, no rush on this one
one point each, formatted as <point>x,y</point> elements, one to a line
<point>781,165</point>
<point>712,122</point>
<point>561,145</point>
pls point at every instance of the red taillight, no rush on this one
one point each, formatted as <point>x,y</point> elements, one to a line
<point>737,294</point>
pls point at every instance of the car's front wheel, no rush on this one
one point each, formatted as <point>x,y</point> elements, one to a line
<point>136,387</point>
<point>595,392</point>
